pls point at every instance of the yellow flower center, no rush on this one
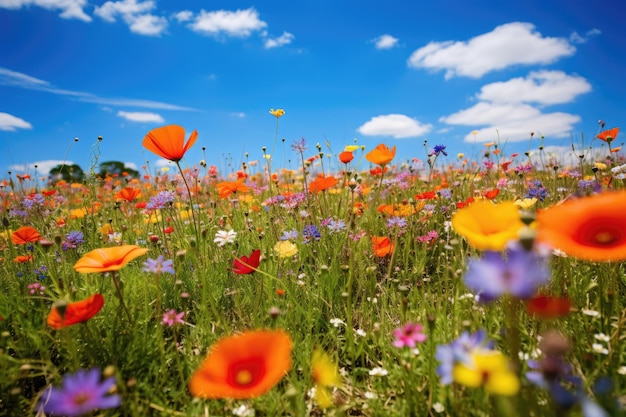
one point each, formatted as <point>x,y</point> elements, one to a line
<point>604,238</point>
<point>243,377</point>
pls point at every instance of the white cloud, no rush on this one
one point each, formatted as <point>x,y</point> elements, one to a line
<point>238,115</point>
<point>183,16</point>
<point>70,9</point>
<point>41,167</point>
<point>385,42</point>
<point>136,15</point>
<point>576,38</point>
<point>141,117</point>
<point>542,87</point>
<point>565,157</point>
<point>510,44</point>
<point>285,39</point>
<point>131,165</point>
<point>19,80</point>
<point>11,123</point>
<point>396,125</point>
<point>240,23</point>
<point>160,163</point>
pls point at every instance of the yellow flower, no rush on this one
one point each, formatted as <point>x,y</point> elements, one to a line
<point>277,113</point>
<point>285,249</point>
<point>489,369</point>
<point>488,226</point>
<point>600,166</point>
<point>460,155</point>
<point>351,148</point>
<point>325,374</point>
<point>526,203</point>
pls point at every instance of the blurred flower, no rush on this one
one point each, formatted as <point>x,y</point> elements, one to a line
<point>588,228</point>
<point>108,259</point>
<point>222,237</point>
<point>459,351</point>
<point>351,148</point>
<point>277,113</point>
<point>81,393</point>
<point>378,371</point>
<point>169,142</point>
<point>381,155</point>
<point>299,145</point>
<point>440,149</point>
<point>226,188</point>
<point>382,246</point>
<point>322,183</point>
<point>609,135</point>
<point>408,335</point>
<point>311,232</point>
<point>66,314</point>
<point>243,366</point>
<point>547,307</point>
<point>490,369</point>
<point>75,238</point>
<point>325,374</point>
<point>488,226</point>
<point>36,287</point>
<point>526,203</point>
<point>128,194</point>
<point>517,272</point>
<point>247,264</point>
<point>346,157</point>
<point>285,249</point>
<point>24,235</point>
<point>159,266</point>
<point>171,317</point>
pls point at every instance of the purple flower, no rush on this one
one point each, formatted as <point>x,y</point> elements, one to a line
<point>517,272</point>
<point>160,200</point>
<point>399,222</point>
<point>408,335</point>
<point>159,266</point>
<point>289,235</point>
<point>172,317</point>
<point>81,393</point>
<point>440,149</point>
<point>310,232</point>
<point>72,240</point>
<point>336,226</point>
<point>299,145</point>
<point>459,351</point>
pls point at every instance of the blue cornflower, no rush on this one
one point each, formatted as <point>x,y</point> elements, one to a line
<point>289,235</point>
<point>160,200</point>
<point>440,149</point>
<point>72,240</point>
<point>311,232</point>
<point>537,190</point>
<point>518,272</point>
<point>399,222</point>
<point>81,393</point>
<point>459,351</point>
<point>159,266</point>
<point>336,226</point>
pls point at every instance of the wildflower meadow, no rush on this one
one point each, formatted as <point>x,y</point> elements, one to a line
<point>344,282</point>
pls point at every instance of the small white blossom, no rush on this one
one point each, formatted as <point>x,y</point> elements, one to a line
<point>598,348</point>
<point>337,322</point>
<point>621,370</point>
<point>438,407</point>
<point>602,337</point>
<point>360,332</point>
<point>243,411</point>
<point>590,313</point>
<point>370,395</point>
<point>223,237</point>
<point>378,371</point>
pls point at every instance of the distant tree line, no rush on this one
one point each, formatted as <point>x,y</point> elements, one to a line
<point>74,173</point>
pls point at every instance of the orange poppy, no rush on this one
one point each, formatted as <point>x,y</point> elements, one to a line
<point>491,194</point>
<point>243,366</point>
<point>22,259</point>
<point>128,194</point>
<point>227,188</point>
<point>108,259</point>
<point>382,246</point>
<point>346,157</point>
<point>590,228</point>
<point>24,235</point>
<point>608,135</point>
<point>615,150</point>
<point>547,307</point>
<point>322,183</point>
<point>169,142</point>
<point>381,155</point>
<point>78,312</point>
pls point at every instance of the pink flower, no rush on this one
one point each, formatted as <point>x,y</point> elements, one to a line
<point>408,335</point>
<point>172,317</point>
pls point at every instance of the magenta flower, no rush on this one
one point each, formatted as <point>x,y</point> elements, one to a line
<point>408,335</point>
<point>172,317</point>
<point>81,393</point>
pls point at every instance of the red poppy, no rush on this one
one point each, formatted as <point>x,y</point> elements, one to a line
<point>378,171</point>
<point>322,183</point>
<point>491,194</point>
<point>548,307</point>
<point>243,366</point>
<point>24,235</point>
<point>78,312</point>
<point>382,246</point>
<point>169,142</point>
<point>48,193</point>
<point>608,135</point>
<point>247,264</point>
<point>346,157</point>
<point>381,155</point>
<point>128,194</point>
<point>467,202</point>
<point>426,195</point>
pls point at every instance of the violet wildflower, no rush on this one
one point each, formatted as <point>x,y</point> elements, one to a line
<point>81,393</point>
<point>459,350</point>
<point>517,272</point>
<point>159,266</point>
<point>409,335</point>
<point>289,235</point>
<point>171,317</point>
<point>336,226</point>
<point>537,190</point>
<point>72,240</point>
<point>399,222</point>
<point>299,145</point>
<point>161,200</point>
<point>311,232</point>
<point>440,149</point>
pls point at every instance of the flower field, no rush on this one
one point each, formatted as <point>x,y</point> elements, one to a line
<point>354,284</point>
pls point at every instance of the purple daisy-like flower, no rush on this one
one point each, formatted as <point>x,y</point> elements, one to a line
<point>159,266</point>
<point>409,335</point>
<point>81,393</point>
<point>171,317</point>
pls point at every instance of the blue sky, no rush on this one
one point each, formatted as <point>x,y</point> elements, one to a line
<point>398,73</point>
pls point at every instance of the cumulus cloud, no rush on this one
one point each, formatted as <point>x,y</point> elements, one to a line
<point>507,45</point>
<point>541,87</point>
<point>385,42</point>
<point>41,167</point>
<point>240,23</point>
<point>145,117</point>
<point>285,39</point>
<point>11,123</point>
<point>398,126</point>
<point>70,9</point>
<point>183,16</point>
<point>136,14</point>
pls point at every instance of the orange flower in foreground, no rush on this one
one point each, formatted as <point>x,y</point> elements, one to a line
<point>227,188</point>
<point>243,366</point>
<point>382,246</point>
<point>169,142</point>
<point>108,259</point>
<point>24,235</point>
<point>608,135</point>
<point>346,157</point>
<point>322,183</point>
<point>128,194</point>
<point>590,228</point>
<point>381,155</point>
<point>78,312</point>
